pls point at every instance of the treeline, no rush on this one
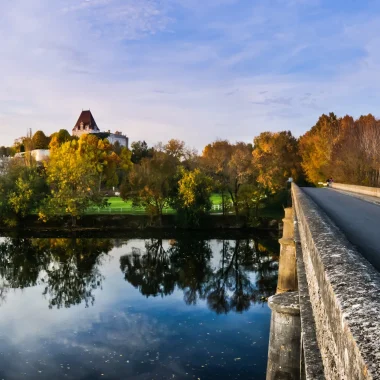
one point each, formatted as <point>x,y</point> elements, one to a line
<point>343,148</point>
<point>38,141</point>
<point>80,171</point>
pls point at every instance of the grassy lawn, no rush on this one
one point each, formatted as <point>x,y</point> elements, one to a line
<point>272,210</point>
<point>118,206</point>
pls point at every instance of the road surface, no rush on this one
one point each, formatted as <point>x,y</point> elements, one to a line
<point>357,219</point>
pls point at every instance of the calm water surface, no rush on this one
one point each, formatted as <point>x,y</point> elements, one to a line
<point>135,309</point>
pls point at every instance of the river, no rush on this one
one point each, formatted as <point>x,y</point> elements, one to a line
<point>98,308</point>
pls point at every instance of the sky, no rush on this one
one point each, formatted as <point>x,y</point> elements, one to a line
<point>196,70</point>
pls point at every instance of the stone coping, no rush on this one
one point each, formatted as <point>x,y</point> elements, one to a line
<point>285,303</point>
<point>312,368</point>
<point>345,292</point>
<point>364,190</point>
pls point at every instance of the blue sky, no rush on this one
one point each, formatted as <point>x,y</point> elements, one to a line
<point>196,70</point>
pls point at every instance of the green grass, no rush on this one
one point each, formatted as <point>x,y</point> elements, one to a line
<point>118,206</point>
<point>273,210</point>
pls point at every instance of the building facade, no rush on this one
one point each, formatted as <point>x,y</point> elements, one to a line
<point>86,124</point>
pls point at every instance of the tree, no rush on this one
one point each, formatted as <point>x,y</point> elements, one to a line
<point>73,179</point>
<point>140,150</point>
<point>100,153</point>
<point>230,166</point>
<point>124,164</point>
<point>316,148</point>
<point>276,158</point>
<point>149,183</point>
<point>193,198</point>
<point>60,137</point>
<point>251,195</point>
<point>40,141</point>
<point>22,190</point>
<point>6,151</point>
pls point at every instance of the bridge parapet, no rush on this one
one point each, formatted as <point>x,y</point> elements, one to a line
<point>344,292</point>
<point>364,190</point>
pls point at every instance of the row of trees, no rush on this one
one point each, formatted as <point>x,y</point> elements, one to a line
<point>243,174</point>
<point>344,148</point>
<point>38,141</point>
<point>79,171</point>
<point>69,270</point>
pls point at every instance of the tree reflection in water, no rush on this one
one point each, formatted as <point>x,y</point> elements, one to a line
<point>67,268</point>
<point>246,274</point>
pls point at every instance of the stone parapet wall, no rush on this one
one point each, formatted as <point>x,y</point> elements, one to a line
<point>364,190</point>
<point>344,295</point>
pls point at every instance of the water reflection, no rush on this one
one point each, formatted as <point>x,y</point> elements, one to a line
<point>246,273</point>
<point>68,269</point>
<point>137,309</point>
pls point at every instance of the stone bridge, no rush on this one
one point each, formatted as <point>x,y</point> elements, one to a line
<point>326,313</point>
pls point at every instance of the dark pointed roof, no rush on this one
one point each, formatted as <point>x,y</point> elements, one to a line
<point>87,119</point>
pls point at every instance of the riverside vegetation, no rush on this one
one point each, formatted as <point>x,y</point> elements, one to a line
<point>80,174</point>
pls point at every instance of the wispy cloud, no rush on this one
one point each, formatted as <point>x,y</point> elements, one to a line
<point>190,69</point>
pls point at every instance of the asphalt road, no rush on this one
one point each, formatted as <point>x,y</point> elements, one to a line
<point>357,219</point>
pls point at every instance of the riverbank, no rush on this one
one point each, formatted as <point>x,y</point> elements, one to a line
<point>138,223</point>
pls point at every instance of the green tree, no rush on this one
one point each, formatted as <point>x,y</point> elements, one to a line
<point>60,137</point>
<point>140,150</point>
<point>40,141</point>
<point>6,151</point>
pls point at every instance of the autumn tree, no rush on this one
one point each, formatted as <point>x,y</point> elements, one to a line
<point>22,190</point>
<point>149,183</point>
<point>251,197</point>
<point>193,195</point>
<point>230,165</point>
<point>40,141</point>
<point>316,148</point>
<point>73,178</point>
<point>347,160</point>
<point>276,158</point>
<point>60,137</point>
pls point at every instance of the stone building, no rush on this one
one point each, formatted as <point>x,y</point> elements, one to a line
<point>87,124</point>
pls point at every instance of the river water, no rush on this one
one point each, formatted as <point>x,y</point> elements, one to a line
<point>94,308</point>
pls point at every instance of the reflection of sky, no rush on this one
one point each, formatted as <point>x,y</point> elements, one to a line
<point>126,335</point>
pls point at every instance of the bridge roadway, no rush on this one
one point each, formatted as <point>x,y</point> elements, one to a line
<point>358,219</point>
